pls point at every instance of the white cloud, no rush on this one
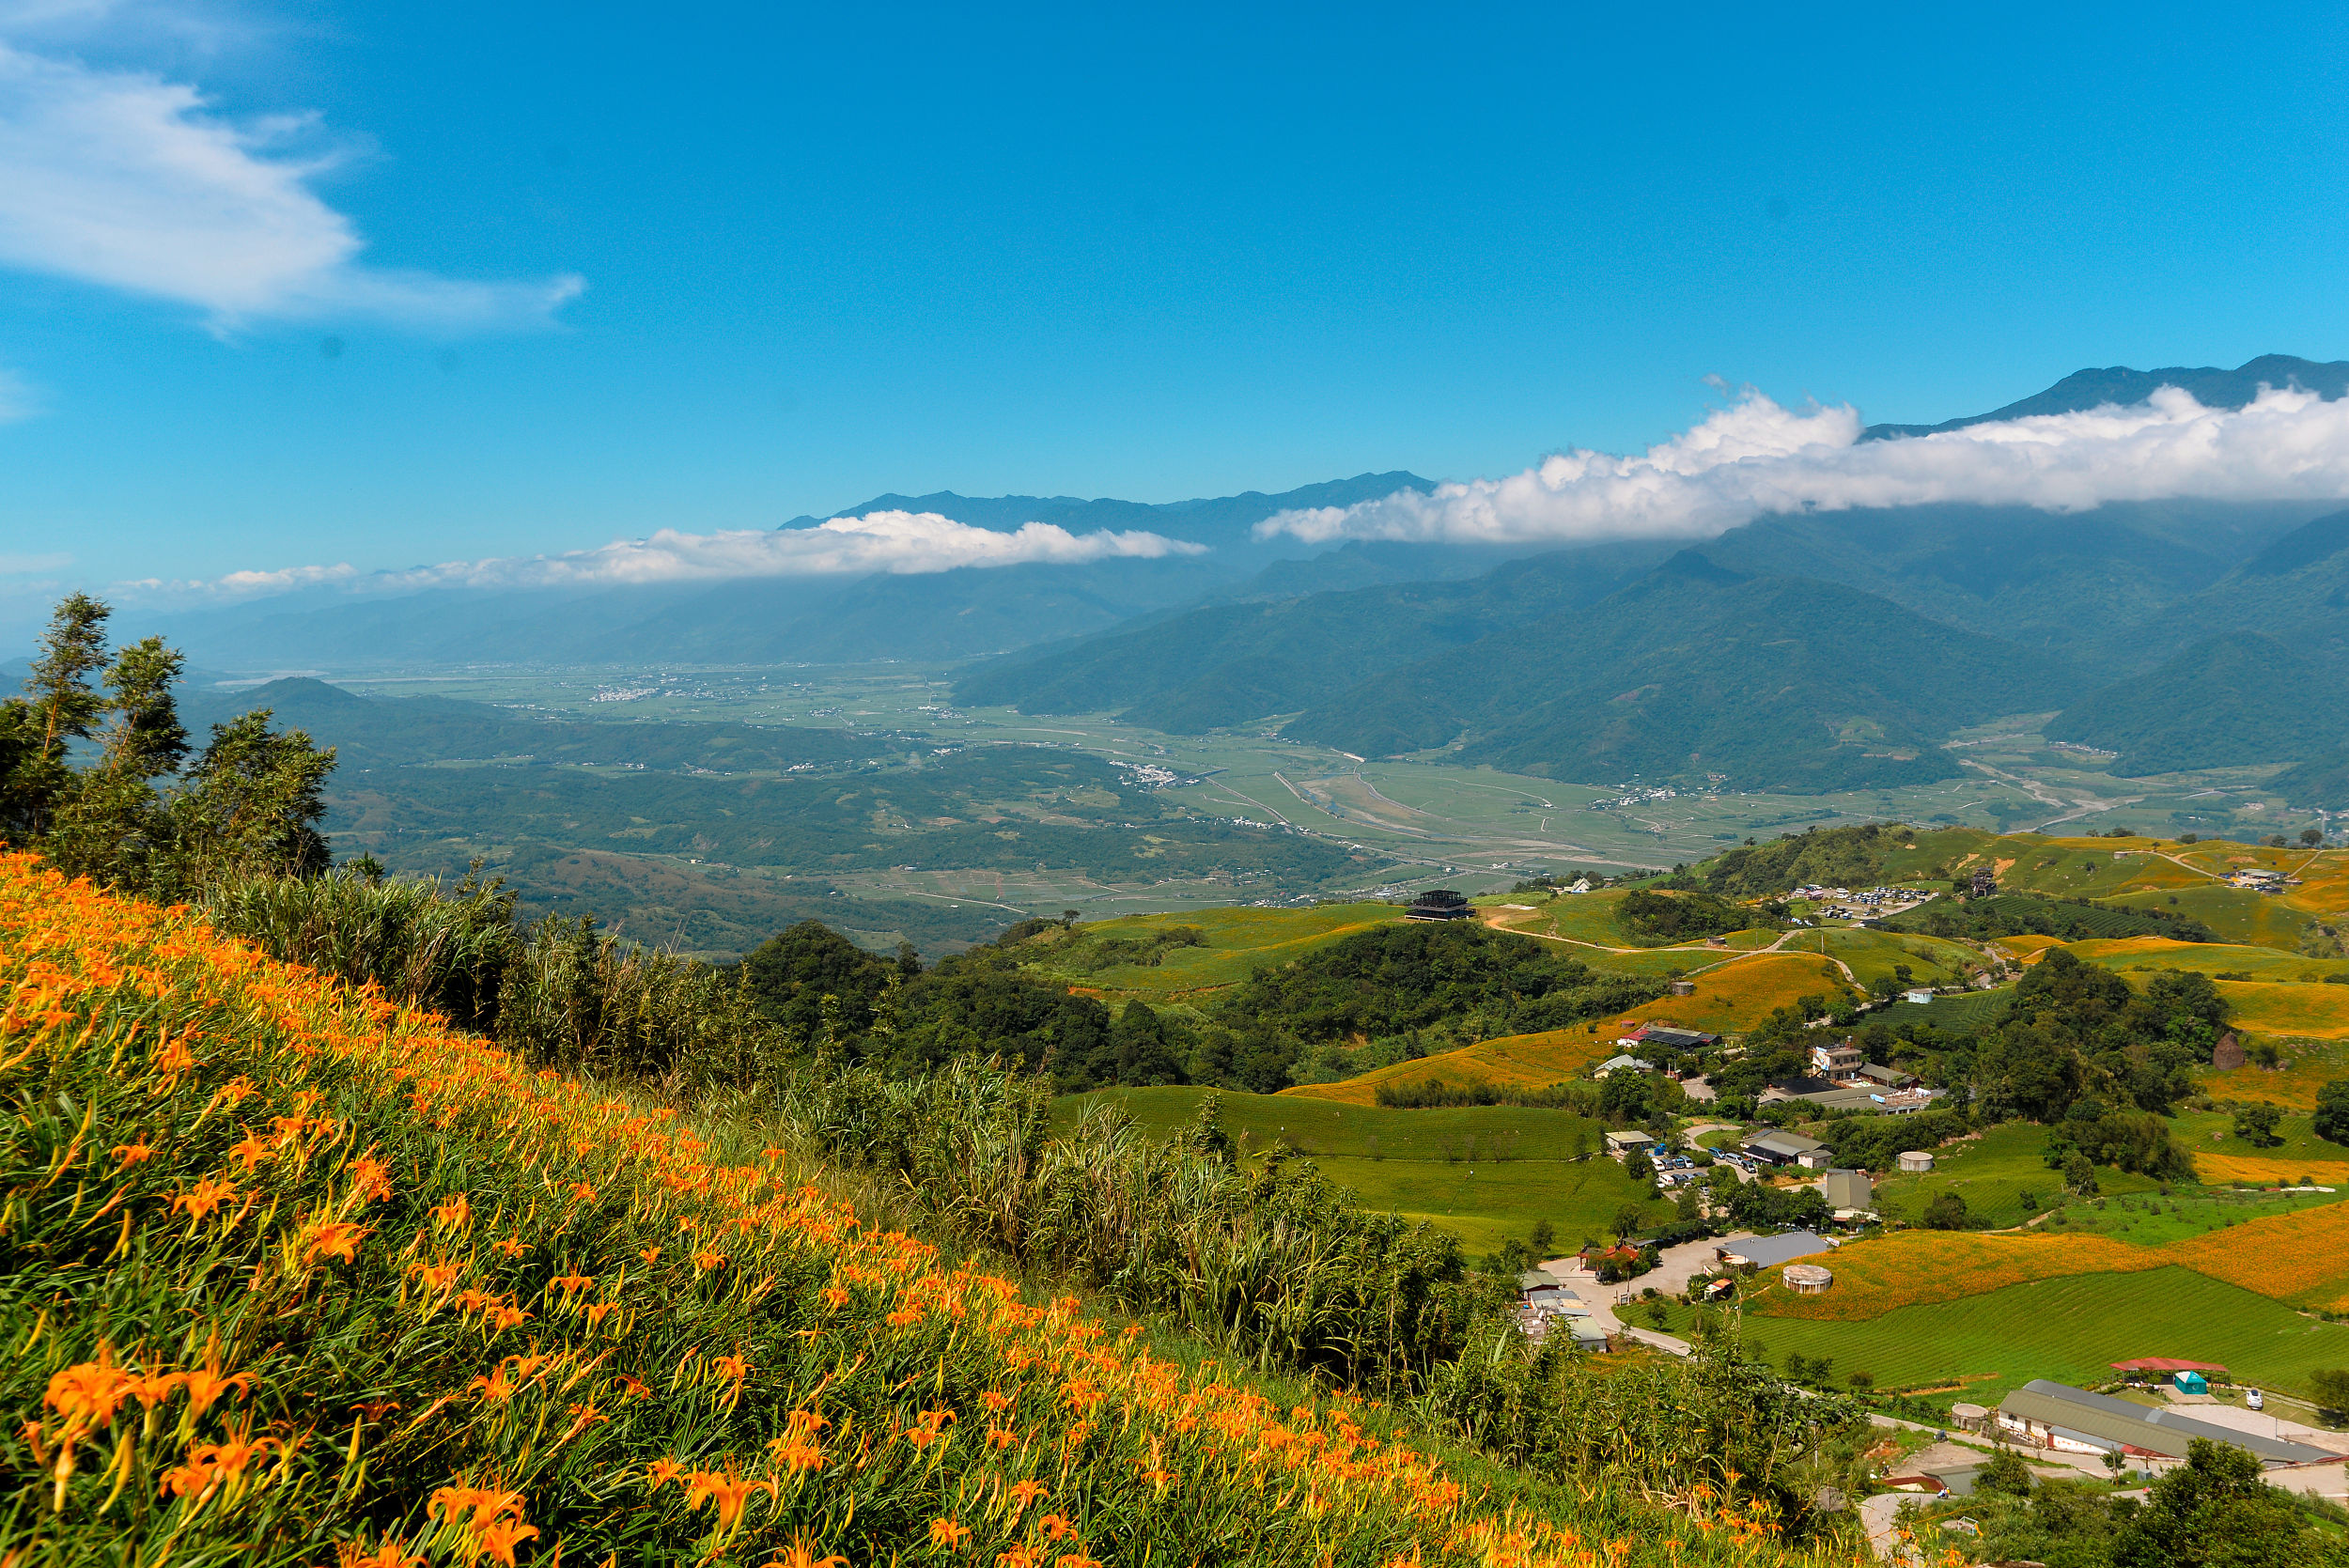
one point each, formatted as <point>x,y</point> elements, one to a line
<point>902,542</point>
<point>1756,456</point>
<point>19,566</point>
<point>125,179</point>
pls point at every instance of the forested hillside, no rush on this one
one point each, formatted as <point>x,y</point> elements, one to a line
<point>1775,683</point>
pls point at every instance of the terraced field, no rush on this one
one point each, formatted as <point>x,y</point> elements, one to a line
<point>2071,1329</point>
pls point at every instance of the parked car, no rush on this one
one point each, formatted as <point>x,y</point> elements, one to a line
<point>2251,1397</point>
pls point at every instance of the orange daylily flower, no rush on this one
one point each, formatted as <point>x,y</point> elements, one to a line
<point>801,1555</point>
<point>456,1214</point>
<point>204,1197</point>
<point>501,1536</point>
<point>1025,1492</point>
<point>374,1178</point>
<point>205,1383</point>
<point>128,1155</point>
<point>334,1239</point>
<point>949,1534</point>
<point>729,1491</point>
<point>513,1247</point>
<point>661,1472</point>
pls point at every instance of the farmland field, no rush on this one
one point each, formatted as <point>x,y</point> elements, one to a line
<point>1742,993</point>
<point>1492,1202</point>
<point>2298,1255</point>
<point>2236,914</point>
<point>1972,1011</point>
<point>1486,1174</point>
<point>1330,1127</point>
<point>2303,1067</point>
<point>1990,1172</point>
<point>1516,1061</point>
<point>2070,1329</point>
<point>2214,959</point>
<point>1238,942</point>
<point>1872,955</point>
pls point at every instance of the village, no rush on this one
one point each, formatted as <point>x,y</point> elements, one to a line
<point>1609,1298</point>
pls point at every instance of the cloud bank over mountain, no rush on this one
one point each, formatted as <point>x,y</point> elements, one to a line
<point>895,542</point>
<point>1756,457</point>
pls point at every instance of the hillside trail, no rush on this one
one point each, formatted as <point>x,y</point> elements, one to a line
<point>1493,917</point>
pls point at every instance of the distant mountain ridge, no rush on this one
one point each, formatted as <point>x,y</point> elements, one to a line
<point>2212,387</point>
<point>1213,519</point>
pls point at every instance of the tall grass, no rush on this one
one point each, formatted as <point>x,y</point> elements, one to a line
<point>561,993</point>
<point>424,945</point>
<point>294,1275</point>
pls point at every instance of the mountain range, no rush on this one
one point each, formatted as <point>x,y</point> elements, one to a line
<point>1811,649</point>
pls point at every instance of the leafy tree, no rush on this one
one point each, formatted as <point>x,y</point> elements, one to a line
<point>2332,1111</point>
<point>1145,1055</point>
<point>250,804</point>
<point>2215,1509</point>
<point>2311,837</point>
<point>2256,1124</point>
<point>2078,1175</point>
<point>2005,1473</point>
<point>1946,1212</point>
<point>254,800</point>
<point>2330,1385</point>
<point>1627,1223</point>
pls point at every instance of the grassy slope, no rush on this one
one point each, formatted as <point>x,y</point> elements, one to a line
<point>1518,1061</point>
<point>2071,1329</point>
<point>1239,940</point>
<point>614,1265</point>
<point>1486,1172</point>
<point>1988,1171</point>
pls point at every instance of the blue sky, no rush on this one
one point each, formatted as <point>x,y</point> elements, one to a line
<point>497,280</point>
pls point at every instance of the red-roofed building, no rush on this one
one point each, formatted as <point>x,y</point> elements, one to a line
<point>2164,1366</point>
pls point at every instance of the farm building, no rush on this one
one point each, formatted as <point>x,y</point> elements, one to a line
<point>1621,1065</point>
<point>1788,1148</point>
<point>1915,1162</point>
<point>1917,993</point>
<point>1848,1192</point>
<point>1770,1252</point>
<point>2073,1420</point>
<point>1883,1078</point>
<point>1623,1142</point>
<point>2160,1369</point>
<point>1840,1059</point>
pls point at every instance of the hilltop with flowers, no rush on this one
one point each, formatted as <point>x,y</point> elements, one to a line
<point>299,1275</point>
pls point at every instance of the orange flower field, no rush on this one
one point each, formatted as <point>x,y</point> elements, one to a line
<point>298,1278</point>
<point>2301,1259</point>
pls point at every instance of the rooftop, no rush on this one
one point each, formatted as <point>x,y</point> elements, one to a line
<point>1768,1251</point>
<point>2107,1423</point>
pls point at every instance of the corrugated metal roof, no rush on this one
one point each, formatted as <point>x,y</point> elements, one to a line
<point>1770,1250</point>
<point>2104,1420</point>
